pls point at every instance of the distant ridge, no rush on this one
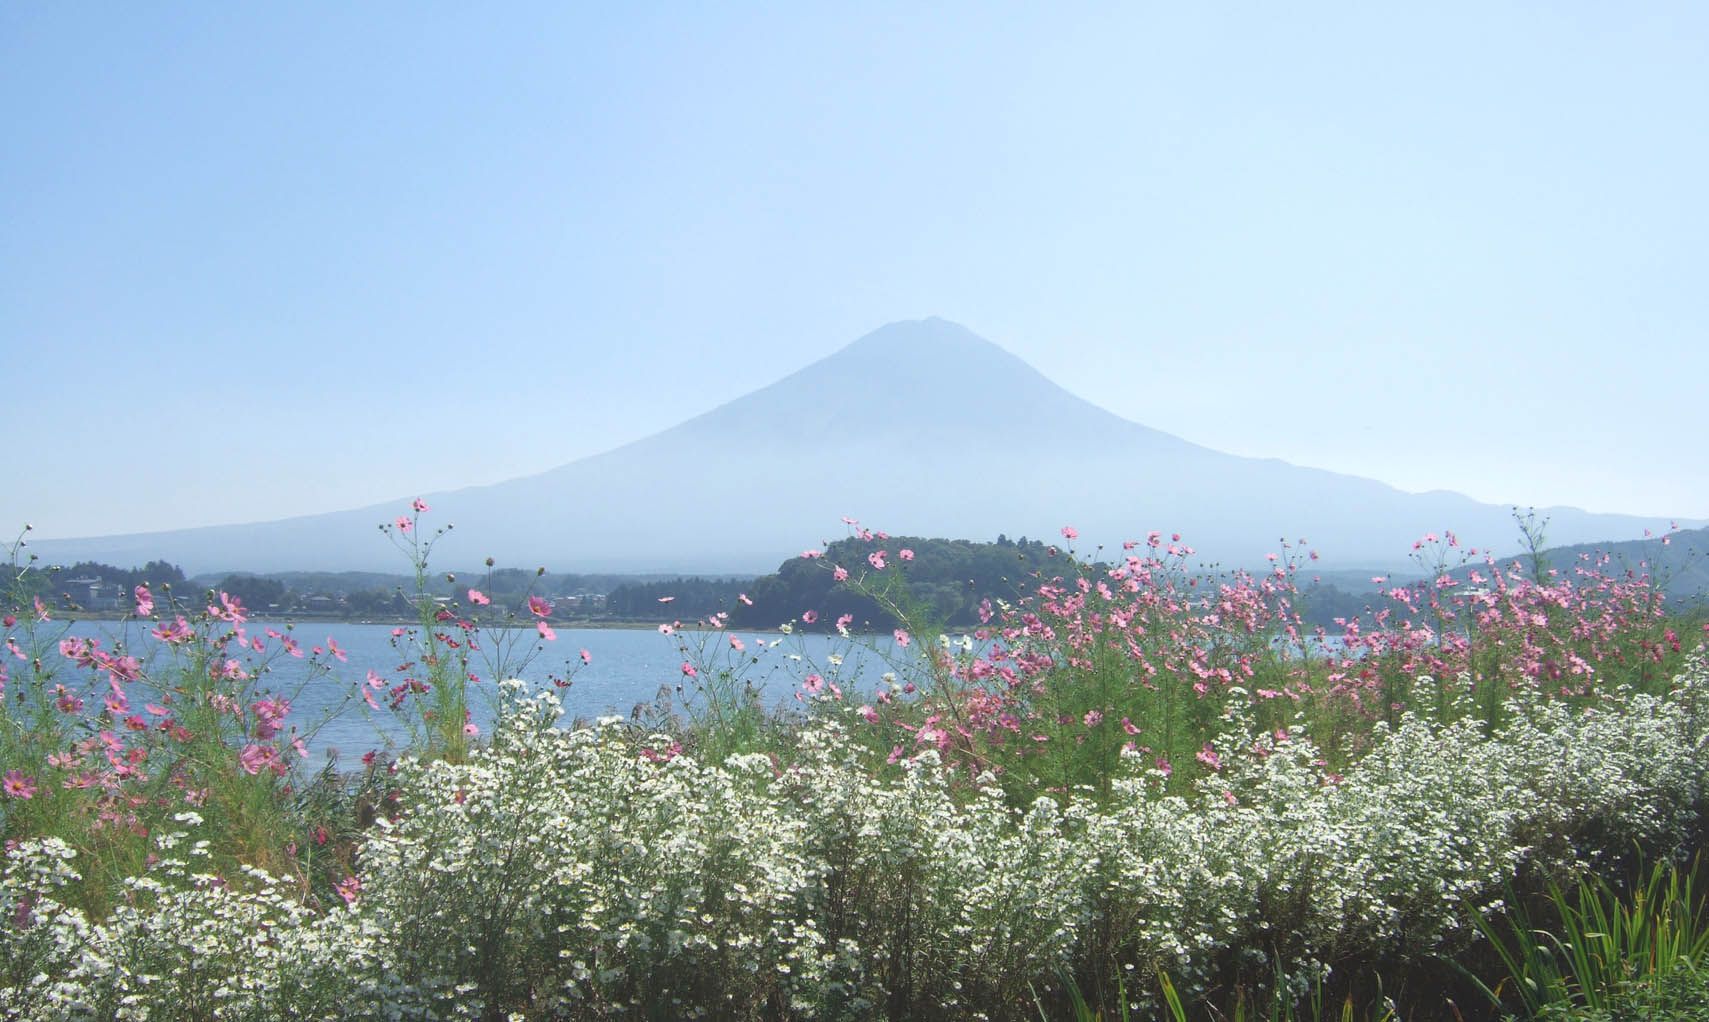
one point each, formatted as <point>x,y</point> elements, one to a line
<point>922,427</point>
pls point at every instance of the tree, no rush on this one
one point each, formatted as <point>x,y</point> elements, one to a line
<point>256,592</point>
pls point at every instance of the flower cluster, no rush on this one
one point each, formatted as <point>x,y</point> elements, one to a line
<point>586,873</point>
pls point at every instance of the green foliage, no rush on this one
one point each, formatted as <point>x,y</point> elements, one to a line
<point>738,862</point>
<point>946,578</point>
<point>1603,952</point>
<point>28,579</point>
<point>669,599</point>
<point>258,593</point>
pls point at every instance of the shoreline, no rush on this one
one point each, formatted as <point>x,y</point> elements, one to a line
<point>520,624</point>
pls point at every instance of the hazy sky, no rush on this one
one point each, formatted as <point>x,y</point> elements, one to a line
<point>259,261</point>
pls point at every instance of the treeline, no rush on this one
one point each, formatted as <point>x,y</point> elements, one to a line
<point>155,573</point>
<point>86,583</point>
<point>358,594</point>
<point>945,580</point>
<point>678,598</point>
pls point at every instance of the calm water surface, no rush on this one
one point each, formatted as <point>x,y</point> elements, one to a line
<point>628,667</point>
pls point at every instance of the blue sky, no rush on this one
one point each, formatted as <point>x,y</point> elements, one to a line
<point>259,261</point>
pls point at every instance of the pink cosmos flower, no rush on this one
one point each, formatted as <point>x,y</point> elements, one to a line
<point>270,717</point>
<point>144,601</point>
<point>478,598</point>
<point>587,658</point>
<point>336,650</point>
<point>539,607</point>
<point>902,638</point>
<point>255,758</point>
<point>840,573</point>
<point>737,644</point>
<point>16,785</point>
<point>869,713</point>
<point>688,670</point>
<point>418,505</point>
<point>813,683</point>
<point>876,559</point>
<point>843,621</point>
<point>810,616</point>
<point>905,553</point>
<point>1208,757</point>
<point>1070,533</point>
<point>545,631</point>
<point>350,888</point>
<point>230,609</point>
<point>404,524</point>
<point>744,598</point>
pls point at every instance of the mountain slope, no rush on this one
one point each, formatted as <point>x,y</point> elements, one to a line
<point>919,427</point>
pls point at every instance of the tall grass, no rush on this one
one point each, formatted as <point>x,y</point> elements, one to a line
<point>1598,950</point>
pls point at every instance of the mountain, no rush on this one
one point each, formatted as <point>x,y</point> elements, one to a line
<point>920,427</point>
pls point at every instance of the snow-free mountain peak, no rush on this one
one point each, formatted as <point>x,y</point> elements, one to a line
<point>920,427</point>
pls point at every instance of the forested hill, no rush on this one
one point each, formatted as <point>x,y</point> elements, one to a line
<point>945,577</point>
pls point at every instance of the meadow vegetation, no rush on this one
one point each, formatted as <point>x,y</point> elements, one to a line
<point>1135,790</point>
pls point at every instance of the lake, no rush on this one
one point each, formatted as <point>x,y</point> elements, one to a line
<point>628,667</point>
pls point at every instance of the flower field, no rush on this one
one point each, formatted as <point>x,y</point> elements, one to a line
<point>1137,784</point>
